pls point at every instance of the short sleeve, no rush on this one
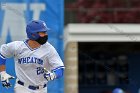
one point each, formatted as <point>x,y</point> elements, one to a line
<point>8,50</point>
<point>55,60</point>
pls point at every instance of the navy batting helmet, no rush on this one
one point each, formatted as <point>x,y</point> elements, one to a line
<point>35,26</point>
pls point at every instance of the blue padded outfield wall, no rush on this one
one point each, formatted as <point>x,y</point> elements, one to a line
<point>14,15</point>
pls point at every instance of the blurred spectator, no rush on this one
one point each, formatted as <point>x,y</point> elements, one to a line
<point>135,3</point>
<point>117,3</point>
<point>106,11</point>
<point>118,90</point>
<point>99,4</point>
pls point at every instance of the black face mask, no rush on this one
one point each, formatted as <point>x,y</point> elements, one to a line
<point>42,40</point>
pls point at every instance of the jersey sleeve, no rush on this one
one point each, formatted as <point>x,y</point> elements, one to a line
<point>55,60</point>
<point>7,50</point>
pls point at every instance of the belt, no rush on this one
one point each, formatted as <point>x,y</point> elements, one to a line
<point>30,86</point>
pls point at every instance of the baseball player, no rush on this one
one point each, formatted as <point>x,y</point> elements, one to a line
<point>36,60</point>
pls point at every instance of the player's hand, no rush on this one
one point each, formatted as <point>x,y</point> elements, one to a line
<point>5,79</point>
<point>49,75</point>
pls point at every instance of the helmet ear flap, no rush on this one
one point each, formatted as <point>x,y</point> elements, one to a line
<point>34,36</point>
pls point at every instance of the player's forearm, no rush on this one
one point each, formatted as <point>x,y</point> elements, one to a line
<point>2,68</point>
<point>59,72</point>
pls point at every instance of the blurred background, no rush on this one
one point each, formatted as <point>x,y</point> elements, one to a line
<point>101,42</point>
<point>98,41</point>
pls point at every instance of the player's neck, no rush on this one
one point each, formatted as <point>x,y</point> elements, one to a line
<point>33,44</point>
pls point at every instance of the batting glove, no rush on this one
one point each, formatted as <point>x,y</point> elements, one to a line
<point>5,79</point>
<point>49,75</point>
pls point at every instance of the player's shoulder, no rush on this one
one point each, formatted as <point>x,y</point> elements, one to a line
<point>13,44</point>
<point>49,45</point>
<point>17,42</point>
